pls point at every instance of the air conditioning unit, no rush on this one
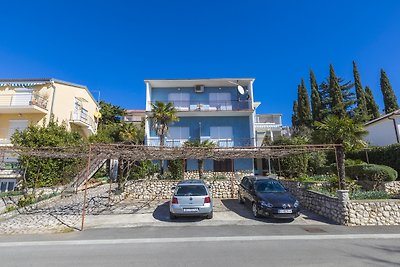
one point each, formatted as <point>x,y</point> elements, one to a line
<point>199,88</point>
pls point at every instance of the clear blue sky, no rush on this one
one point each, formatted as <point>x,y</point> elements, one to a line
<point>112,46</point>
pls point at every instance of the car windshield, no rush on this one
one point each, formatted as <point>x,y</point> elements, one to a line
<point>191,190</point>
<point>269,187</point>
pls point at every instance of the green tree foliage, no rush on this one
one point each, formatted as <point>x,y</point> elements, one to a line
<point>205,144</point>
<point>110,113</point>
<point>295,115</point>
<point>361,113</point>
<point>163,114</point>
<point>389,98</point>
<point>295,165</point>
<point>316,104</point>
<point>372,107</point>
<point>304,112</point>
<point>176,168</point>
<point>337,106</point>
<point>343,131</point>
<point>48,171</point>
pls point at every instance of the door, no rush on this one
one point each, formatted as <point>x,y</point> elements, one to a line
<point>15,125</point>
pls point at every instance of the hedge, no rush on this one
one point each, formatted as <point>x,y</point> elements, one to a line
<point>388,155</point>
<point>371,172</point>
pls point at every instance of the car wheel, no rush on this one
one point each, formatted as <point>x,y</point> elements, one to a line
<point>241,201</point>
<point>210,215</point>
<point>254,209</point>
<point>172,216</point>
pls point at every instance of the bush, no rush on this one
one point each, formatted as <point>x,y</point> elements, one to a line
<point>316,160</point>
<point>371,172</point>
<point>388,155</point>
<point>175,167</point>
<point>48,171</point>
<point>26,201</point>
<point>295,165</point>
<point>369,195</point>
<point>143,169</point>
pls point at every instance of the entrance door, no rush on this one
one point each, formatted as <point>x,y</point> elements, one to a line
<point>14,125</point>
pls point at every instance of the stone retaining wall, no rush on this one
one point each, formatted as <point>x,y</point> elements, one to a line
<point>392,188</point>
<point>344,211</point>
<point>158,189</point>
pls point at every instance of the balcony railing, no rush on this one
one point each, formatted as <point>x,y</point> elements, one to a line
<point>219,142</point>
<point>22,100</point>
<point>82,116</point>
<point>217,105</point>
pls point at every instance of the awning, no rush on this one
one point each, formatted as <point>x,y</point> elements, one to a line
<point>21,84</point>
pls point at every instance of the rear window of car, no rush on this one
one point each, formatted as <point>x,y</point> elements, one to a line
<point>191,190</point>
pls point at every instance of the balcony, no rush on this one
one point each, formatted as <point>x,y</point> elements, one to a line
<point>82,119</point>
<point>219,142</point>
<point>22,103</point>
<point>210,106</point>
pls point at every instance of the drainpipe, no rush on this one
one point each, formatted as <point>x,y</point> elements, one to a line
<point>52,99</point>
<point>396,130</point>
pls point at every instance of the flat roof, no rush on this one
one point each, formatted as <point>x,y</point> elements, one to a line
<point>197,81</point>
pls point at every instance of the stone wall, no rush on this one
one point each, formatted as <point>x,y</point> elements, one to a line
<point>159,189</point>
<point>392,188</point>
<point>210,175</point>
<point>344,211</point>
<point>373,212</point>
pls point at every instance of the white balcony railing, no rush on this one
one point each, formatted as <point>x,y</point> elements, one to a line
<point>82,117</point>
<point>22,100</point>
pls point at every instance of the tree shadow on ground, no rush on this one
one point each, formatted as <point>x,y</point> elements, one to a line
<point>161,213</point>
<point>374,260</point>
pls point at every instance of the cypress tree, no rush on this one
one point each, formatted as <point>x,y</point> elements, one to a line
<point>372,107</point>
<point>316,104</point>
<point>295,115</point>
<point>335,93</point>
<point>361,114</point>
<point>389,98</point>
<point>304,111</point>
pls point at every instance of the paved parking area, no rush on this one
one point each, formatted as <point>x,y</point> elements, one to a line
<point>132,213</point>
<point>65,215</point>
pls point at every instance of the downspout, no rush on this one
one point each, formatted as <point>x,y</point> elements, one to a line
<point>52,100</point>
<point>396,130</point>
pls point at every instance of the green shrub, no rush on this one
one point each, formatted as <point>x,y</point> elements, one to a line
<point>371,172</point>
<point>387,155</point>
<point>26,201</point>
<point>369,195</point>
<point>175,167</point>
<point>143,169</point>
<point>316,160</point>
<point>295,165</point>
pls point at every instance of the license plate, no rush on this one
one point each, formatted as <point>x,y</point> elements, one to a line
<point>191,210</point>
<point>284,211</point>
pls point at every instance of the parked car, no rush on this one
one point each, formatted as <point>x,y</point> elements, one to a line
<point>191,198</point>
<point>268,197</point>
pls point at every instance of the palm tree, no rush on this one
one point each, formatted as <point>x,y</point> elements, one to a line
<point>162,115</point>
<point>342,131</point>
<point>204,144</point>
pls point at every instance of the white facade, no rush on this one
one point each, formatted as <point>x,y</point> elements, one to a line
<point>384,130</point>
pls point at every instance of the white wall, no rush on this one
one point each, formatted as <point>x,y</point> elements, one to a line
<point>382,133</point>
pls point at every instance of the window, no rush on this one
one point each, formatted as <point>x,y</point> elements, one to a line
<point>221,101</point>
<point>181,101</point>
<point>225,165</point>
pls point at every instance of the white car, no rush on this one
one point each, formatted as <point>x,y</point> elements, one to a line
<point>191,198</point>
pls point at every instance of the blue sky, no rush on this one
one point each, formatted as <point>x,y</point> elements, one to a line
<point>112,46</point>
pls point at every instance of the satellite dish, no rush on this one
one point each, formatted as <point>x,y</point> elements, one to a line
<point>97,115</point>
<point>240,89</point>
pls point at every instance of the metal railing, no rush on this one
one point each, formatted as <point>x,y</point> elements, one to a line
<point>22,100</point>
<point>84,117</point>
<point>217,105</point>
<point>219,142</point>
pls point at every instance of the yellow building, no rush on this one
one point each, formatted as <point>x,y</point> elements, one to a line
<point>25,102</point>
<point>32,101</point>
